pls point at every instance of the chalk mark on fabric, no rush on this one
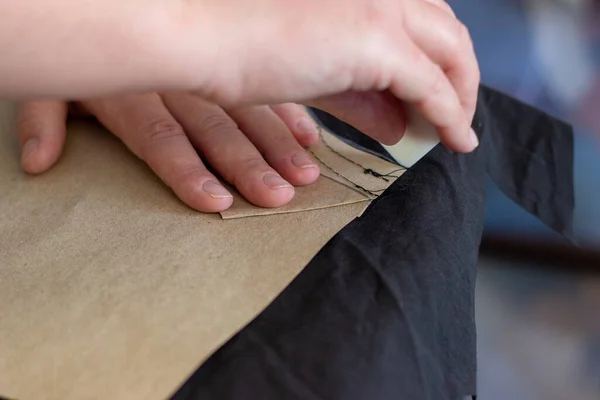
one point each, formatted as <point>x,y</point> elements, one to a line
<point>372,192</point>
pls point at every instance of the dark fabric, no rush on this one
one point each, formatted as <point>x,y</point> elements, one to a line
<point>529,155</point>
<point>351,136</point>
<point>386,309</point>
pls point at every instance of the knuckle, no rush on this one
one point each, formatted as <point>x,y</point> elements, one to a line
<point>417,57</point>
<point>163,129</point>
<point>436,85</point>
<point>458,39</point>
<point>224,89</point>
<point>214,123</point>
<point>155,133</point>
<point>434,94</point>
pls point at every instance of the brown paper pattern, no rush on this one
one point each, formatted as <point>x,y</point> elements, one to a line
<point>111,288</point>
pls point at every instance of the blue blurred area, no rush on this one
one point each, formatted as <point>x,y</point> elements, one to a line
<point>502,43</point>
<point>538,329</point>
<point>545,53</point>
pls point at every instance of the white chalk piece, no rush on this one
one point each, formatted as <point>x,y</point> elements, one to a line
<point>418,140</point>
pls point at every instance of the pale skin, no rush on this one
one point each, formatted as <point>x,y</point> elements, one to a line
<point>181,81</point>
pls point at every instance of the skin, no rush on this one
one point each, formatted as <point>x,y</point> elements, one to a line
<point>362,62</point>
<point>257,149</point>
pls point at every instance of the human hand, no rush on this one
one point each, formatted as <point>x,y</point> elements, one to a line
<point>258,149</point>
<point>362,61</point>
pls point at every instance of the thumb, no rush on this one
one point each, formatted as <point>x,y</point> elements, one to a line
<point>379,115</point>
<point>42,129</point>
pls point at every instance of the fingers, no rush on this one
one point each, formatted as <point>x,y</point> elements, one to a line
<point>274,140</point>
<point>435,72</point>
<point>422,83</point>
<point>298,122</point>
<point>229,151</point>
<point>450,47</point>
<point>147,127</point>
<point>41,126</point>
<point>377,114</point>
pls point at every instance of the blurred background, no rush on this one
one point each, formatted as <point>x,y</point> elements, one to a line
<point>538,298</point>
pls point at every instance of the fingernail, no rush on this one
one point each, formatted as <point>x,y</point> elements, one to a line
<point>216,190</point>
<point>29,148</point>
<point>307,126</point>
<point>274,181</point>
<point>473,138</point>
<point>302,160</point>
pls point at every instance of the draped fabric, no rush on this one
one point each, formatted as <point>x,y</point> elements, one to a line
<point>386,309</point>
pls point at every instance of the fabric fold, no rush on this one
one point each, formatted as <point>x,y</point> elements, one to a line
<point>386,309</point>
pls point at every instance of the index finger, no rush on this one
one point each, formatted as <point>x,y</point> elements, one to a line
<point>151,132</point>
<point>449,45</point>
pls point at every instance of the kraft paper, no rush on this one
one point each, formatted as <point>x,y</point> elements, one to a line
<point>342,167</point>
<point>111,288</point>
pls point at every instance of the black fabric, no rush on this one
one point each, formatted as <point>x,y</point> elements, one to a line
<point>351,135</point>
<point>529,155</point>
<point>386,309</point>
